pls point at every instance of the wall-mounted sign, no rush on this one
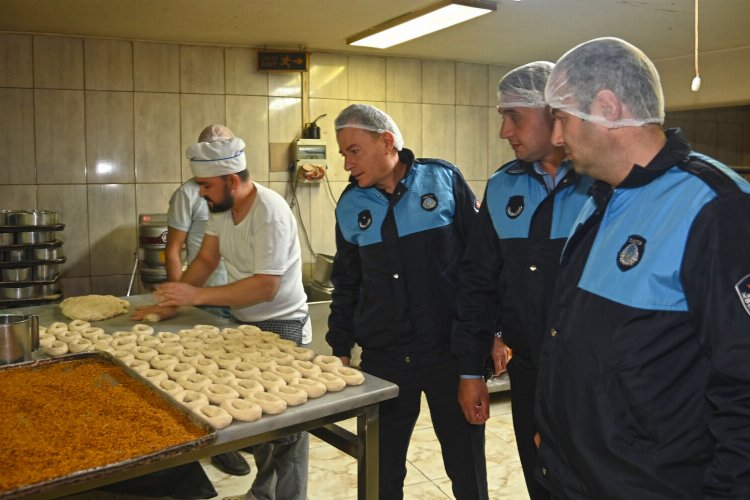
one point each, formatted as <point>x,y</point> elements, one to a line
<point>283,61</point>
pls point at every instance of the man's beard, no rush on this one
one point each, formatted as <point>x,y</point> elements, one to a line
<point>223,206</point>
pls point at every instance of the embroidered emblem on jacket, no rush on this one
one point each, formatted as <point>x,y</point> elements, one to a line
<point>743,290</point>
<point>364,219</point>
<point>631,252</point>
<point>515,206</point>
<point>429,202</point>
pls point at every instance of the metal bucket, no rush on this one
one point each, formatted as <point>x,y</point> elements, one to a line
<point>19,338</point>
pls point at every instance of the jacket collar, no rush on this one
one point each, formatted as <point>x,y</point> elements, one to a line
<point>674,152</point>
<point>405,156</point>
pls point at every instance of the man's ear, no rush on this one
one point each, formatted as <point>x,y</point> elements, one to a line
<point>234,181</point>
<point>607,105</point>
<point>389,141</point>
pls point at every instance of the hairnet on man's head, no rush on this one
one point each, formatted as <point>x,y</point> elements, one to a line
<point>215,132</point>
<point>524,86</point>
<point>369,118</point>
<point>607,64</point>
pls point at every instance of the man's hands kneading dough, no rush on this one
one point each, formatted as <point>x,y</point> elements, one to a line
<point>153,313</point>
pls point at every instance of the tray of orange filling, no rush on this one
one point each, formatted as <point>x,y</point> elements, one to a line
<point>82,416</point>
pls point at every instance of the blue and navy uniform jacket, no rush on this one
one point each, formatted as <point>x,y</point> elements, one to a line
<point>644,378</point>
<point>511,261</point>
<point>395,273</point>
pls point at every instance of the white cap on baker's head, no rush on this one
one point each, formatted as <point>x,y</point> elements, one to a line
<point>222,157</point>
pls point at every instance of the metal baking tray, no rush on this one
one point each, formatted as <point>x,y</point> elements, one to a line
<point>49,485</point>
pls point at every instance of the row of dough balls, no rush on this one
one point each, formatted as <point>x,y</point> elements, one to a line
<point>221,375</point>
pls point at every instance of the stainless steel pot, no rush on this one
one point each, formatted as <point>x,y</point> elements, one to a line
<point>34,218</point>
<point>48,289</point>
<point>16,217</point>
<point>49,253</point>
<point>19,337</point>
<point>18,292</point>
<point>16,273</point>
<point>27,237</point>
<point>17,255</point>
<point>44,272</point>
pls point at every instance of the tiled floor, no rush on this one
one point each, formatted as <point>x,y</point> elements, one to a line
<point>333,474</point>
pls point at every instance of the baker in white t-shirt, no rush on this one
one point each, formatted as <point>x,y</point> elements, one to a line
<point>254,230</point>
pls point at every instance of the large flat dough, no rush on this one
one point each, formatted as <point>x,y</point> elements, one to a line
<point>93,307</point>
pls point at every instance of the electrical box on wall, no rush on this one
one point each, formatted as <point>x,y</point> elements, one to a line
<point>310,162</point>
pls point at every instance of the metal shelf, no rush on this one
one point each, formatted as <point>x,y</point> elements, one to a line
<point>31,301</point>
<point>30,282</point>
<point>38,284</point>
<point>30,263</point>
<point>23,229</point>
<point>24,246</point>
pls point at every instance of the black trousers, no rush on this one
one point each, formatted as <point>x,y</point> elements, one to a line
<point>522,394</point>
<point>462,444</point>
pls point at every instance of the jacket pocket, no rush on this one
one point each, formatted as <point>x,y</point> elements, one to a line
<point>631,421</point>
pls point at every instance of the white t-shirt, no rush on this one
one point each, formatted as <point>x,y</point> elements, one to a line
<point>188,212</point>
<point>264,242</point>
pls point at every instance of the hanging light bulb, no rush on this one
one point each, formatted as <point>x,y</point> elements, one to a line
<point>696,83</point>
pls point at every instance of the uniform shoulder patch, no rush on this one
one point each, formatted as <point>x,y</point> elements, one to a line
<point>515,206</point>
<point>364,219</point>
<point>631,252</point>
<point>743,291</point>
<point>429,201</point>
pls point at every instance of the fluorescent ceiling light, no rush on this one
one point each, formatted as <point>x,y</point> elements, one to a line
<point>421,22</point>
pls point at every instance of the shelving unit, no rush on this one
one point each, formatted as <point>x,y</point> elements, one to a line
<point>40,287</point>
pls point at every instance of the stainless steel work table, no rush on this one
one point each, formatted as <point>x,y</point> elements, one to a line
<point>317,416</point>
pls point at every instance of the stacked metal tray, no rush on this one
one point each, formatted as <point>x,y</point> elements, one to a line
<point>30,257</point>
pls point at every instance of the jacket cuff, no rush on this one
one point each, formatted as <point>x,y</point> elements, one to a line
<point>340,351</point>
<point>471,365</point>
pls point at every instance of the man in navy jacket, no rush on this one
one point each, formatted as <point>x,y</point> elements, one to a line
<point>511,261</point>
<point>401,227</point>
<point>644,380</point>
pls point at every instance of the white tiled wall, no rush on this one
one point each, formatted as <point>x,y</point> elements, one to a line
<point>96,130</point>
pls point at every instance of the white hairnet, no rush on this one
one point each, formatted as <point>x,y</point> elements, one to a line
<point>607,64</point>
<point>524,86</point>
<point>216,158</point>
<point>369,118</point>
